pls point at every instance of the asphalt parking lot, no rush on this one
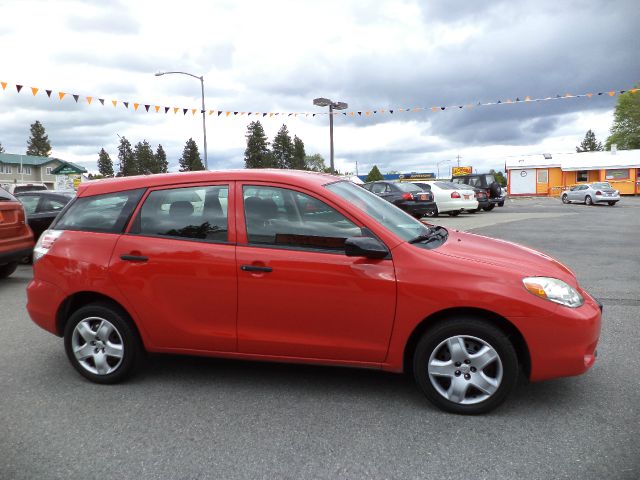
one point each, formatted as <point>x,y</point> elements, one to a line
<point>187,418</point>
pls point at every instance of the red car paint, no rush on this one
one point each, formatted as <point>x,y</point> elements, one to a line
<point>193,298</point>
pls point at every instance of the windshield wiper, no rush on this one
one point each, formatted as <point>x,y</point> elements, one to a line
<point>435,233</point>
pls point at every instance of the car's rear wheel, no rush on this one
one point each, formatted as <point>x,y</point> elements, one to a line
<point>101,343</point>
<point>565,199</point>
<point>588,200</point>
<point>7,269</point>
<point>489,207</point>
<point>455,213</point>
<point>612,203</point>
<point>432,213</point>
<point>465,366</point>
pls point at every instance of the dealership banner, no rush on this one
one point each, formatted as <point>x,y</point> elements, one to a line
<point>461,171</point>
<point>153,107</point>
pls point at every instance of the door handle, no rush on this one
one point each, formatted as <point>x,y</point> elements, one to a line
<point>134,258</point>
<point>255,268</point>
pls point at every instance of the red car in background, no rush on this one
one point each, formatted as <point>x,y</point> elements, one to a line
<point>16,238</point>
<point>302,267</point>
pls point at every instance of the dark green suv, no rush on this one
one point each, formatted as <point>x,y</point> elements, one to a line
<point>488,183</point>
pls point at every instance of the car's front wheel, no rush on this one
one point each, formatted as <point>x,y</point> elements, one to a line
<point>432,213</point>
<point>101,343</point>
<point>465,366</point>
<point>7,269</point>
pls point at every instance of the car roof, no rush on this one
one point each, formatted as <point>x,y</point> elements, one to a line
<point>296,177</point>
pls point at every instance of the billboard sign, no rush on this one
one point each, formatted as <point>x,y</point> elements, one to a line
<point>461,171</point>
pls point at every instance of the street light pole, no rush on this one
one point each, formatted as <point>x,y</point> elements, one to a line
<point>204,117</point>
<point>325,102</point>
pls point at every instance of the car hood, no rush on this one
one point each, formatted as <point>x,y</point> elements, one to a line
<point>513,257</point>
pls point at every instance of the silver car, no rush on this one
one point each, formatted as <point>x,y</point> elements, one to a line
<point>590,193</point>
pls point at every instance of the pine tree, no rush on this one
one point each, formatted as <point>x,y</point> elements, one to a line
<point>315,163</point>
<point>190,160</point>
<point>1,148</point>
<point>257,153</point>
<point>297,161</point>
<point>127,159</point>
<point>282,149</point>
<point>161,164</point>
<point>625,131</point>
<point>374,175</point>
<point>589,144</point>
<point>145,160</point>
<point>38,143</point>
<point>105,165</point>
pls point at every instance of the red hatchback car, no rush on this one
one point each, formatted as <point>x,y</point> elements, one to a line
<point>302,267</point>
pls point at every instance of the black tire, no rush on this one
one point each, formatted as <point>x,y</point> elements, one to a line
<point>432,213</point>
<point>501,204</point>
<point>417,216</point>
<point>7,269</point>
<point>455,213</point>
<point>489,207</point>
<point>588,200</point>
<point>612,203</point>
<point>502,370</point>
<point>565,199</point>
<point>495,190</point>
<point>125,336</point>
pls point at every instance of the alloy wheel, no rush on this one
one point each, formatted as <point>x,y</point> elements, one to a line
<point>97,346</point>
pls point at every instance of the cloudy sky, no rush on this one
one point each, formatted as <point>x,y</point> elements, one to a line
<point>276,56</point>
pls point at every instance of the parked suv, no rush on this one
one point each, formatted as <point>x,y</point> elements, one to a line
<point>302,267</point>
<point>406,196</point>
<point>485,181</point>
<point>16,238</point>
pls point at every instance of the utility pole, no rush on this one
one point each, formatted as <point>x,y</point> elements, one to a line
<point>458,159</point>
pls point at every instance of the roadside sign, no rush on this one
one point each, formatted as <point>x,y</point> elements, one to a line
<point>461,171</point>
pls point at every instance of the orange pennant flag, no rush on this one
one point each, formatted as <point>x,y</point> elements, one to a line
<point>4,85</point>
<point>589,95</point>
<point>271,114</point>
<point>612,93</point>
<point>193,111</point>
<point>175,109</point>
<point>527,98</point>
<point>352,114</point>
<point>61,95</point>
<point>434,109</point>
<point>417,109</point>
<point>89,100</point>
<point>157,107</point>
<point>115,102</point>
<point>367,113</point>
<point>135,106</point>
<point>381,110</point>
<point>633,90</point>
<point>242,113</point>
<point>401,109</point>
<point>34,90</point>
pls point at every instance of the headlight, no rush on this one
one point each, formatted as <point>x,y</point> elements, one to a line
<point>553,290</point>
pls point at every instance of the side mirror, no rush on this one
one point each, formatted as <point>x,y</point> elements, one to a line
<point>367,247</point>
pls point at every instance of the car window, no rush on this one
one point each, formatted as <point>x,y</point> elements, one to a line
<point>408,187</point>
<point>457,180</point>
<point>446,185</point>
<point>30,203</point>
<point>474,182</point>
<point>196,213</point>
<point>107,213</point>
<point>28,188</point>
<point>489,179</point>
<point>51,204</point>
<point>379,187</point>
<point>601,185</point>
<point>287,218</point>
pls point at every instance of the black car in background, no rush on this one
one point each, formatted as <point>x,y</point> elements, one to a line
<point>42,207</point>
<point>406,196</point>
<point>480,194</point>
<point>485,181</point>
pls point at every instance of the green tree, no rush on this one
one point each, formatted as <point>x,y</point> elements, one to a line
<point>127,160</point>
<point>500,178</point>
<point>161,164</point>
<point>374,175</point>
<point>257,153</point>
<point>38,143</point>
<point>625,132</point>
<point>105,165</point>
<point>282,149</point>
<point>1,148</point>
<point>145,159</point>
<point>190,160</point>
<point>589,144</point>
<point>298,159</point>
<point>315,163</point>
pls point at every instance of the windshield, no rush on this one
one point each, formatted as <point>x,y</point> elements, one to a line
<point>447,185</point>
<point>489,179</point>
<point>402,224</point>
<point>601,185</point>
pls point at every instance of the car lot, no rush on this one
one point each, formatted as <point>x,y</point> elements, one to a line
<point>204,418</point>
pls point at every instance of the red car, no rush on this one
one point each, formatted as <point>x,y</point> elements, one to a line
<point>16,238</point>
<point>302,267</point>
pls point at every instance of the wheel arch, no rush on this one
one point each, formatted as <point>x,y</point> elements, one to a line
<point>508,328</point>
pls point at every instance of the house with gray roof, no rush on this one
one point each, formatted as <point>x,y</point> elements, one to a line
<point>29,169</point>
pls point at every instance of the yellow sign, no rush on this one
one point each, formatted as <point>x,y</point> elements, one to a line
<point>461,171</point>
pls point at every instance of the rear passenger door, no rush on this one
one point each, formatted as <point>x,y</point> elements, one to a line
<point>176,266</point>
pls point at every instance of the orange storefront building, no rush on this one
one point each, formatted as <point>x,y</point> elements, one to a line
<point>549,175</point>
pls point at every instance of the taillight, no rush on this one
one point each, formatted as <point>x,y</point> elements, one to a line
<point>455,195</point>
<point>44,243</point>
<point>598,192</point>
<point>407,196</point>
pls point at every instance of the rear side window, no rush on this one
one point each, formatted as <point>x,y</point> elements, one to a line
<point>196,213</point>
<point>107,213</point>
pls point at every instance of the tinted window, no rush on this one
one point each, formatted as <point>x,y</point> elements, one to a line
<point>49,204</point>
<point>286,218</point>
<point>107,213</point>
<point>407,187</point>
<point>30,203</point>
<point>379,187</point>
<point>474,182</point>
<point>28,188</point>
<point>446,185</point>
<point>489,179</point>
<point>198,213</point>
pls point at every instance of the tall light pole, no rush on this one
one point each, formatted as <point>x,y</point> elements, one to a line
<point>325,102</point>
<point>204,121</point>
